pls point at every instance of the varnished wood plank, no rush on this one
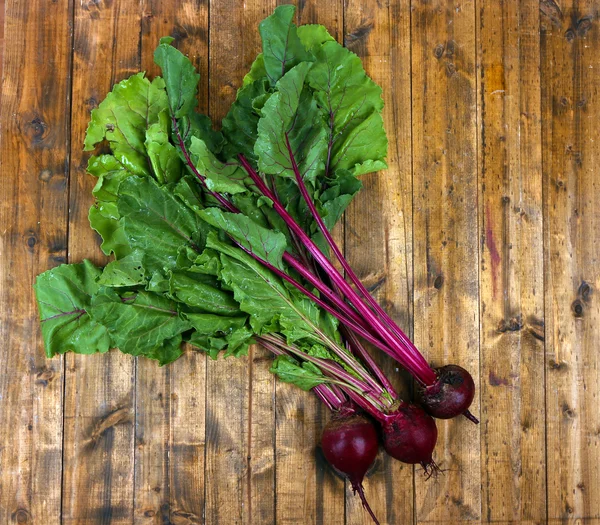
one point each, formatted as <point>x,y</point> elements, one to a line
<point>511,268</point>
<point>511,280</point>
<point>99,391</point>
<point>445,238</point>
<point>239,471</point>
<point>2,7</point>
<point>170,400</point>
<point>307,489</point>
<point>34,142</point>
<point>379,223</point>
<point>571,158</point>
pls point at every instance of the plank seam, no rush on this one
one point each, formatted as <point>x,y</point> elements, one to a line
<point>69,171</point>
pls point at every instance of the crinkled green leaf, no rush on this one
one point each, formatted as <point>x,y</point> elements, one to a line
<point>291,115</point>
<point>351,104</point>
<point>104,218</point>
<point>180,78</point>
<point>257,70</point>
<point>127,271</point>
<point>197,293</point>
<point>157,222</point>
<point>267,244</point>
<point>64,298</point>
<point>240,125</point>
<point>304,376</point>
<point>164,157</point>
<point>140,323</point>
<point>123,117</point>
<point>281,46</point>
<point>200,126</point>
<point>261,294</point>
<point>313,36</point>
<point>220,177</point>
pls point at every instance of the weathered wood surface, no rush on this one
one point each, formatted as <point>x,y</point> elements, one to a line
<point>481,239</point>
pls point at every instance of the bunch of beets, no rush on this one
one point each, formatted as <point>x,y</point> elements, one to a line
<point>221,239</point>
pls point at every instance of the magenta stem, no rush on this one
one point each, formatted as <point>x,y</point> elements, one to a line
<point>424,374</point>
<point>361,352</point>
<point>395,329</point>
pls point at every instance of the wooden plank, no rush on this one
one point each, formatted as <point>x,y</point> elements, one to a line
<point>99,391</point>
<point>511,268</point>
<point>170,400</point>
<point>307,489</point>
<point>570,109</point>
<point>34,142</point>
<point>379,223</point>
<point>2,7</point>
<point>240,418</point>
<point>445,238</point>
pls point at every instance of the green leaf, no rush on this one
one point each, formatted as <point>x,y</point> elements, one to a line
<point>163,156</point>
<point>123,117</point>
<point>281,46</point>
<point>313,36</point>
<point>156,222</point>
<point>351,104</point>
<point>180,77</point>
<point>110,173</point>
<point>141,323</point>
<point>292,115</point>
<point>303,376</point>
<point>169,351</point>
<point>200,295</point>
<point>215,333</point>
<point>220,177</point>
<point>64,298</point>
<point>335,199</point>
<point>127,271</point>
<point>240,125</point>
<point>261,294</point>
<point>104,218</point>
<point>257,70</point>
<point>267,244</point>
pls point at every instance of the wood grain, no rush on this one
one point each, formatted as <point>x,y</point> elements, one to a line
<point>307,491</point>
<point>481,239</point>
<point>100,390</point>
<point>379,224</point>
<point>444,109</point>
<point>240,412</point>
<point>571,156</point>
<point>34,149</point>
<point>511,267</point>
<point>170,401</point>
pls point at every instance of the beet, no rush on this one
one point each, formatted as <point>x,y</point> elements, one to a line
<point>409,435</point>
<point>350,445</point>
<point>451,395</point>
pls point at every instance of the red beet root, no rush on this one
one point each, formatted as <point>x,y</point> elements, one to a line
<point>451,395</point>
<point>409,435</point>
<point>350,445</point>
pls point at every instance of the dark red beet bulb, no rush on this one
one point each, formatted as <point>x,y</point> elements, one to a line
<point>350,445</point>
<point>409,435</point>
<point>451,395</point>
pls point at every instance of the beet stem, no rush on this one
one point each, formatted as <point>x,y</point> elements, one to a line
<point>357,487</point>
<point>392,326</point>
<point>407,359</point>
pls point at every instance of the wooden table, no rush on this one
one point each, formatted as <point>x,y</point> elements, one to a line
<point>482,239</point>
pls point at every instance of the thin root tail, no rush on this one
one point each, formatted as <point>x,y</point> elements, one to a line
<point>471,417</point>
<point>431,469</point>
<point>361,493</point>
